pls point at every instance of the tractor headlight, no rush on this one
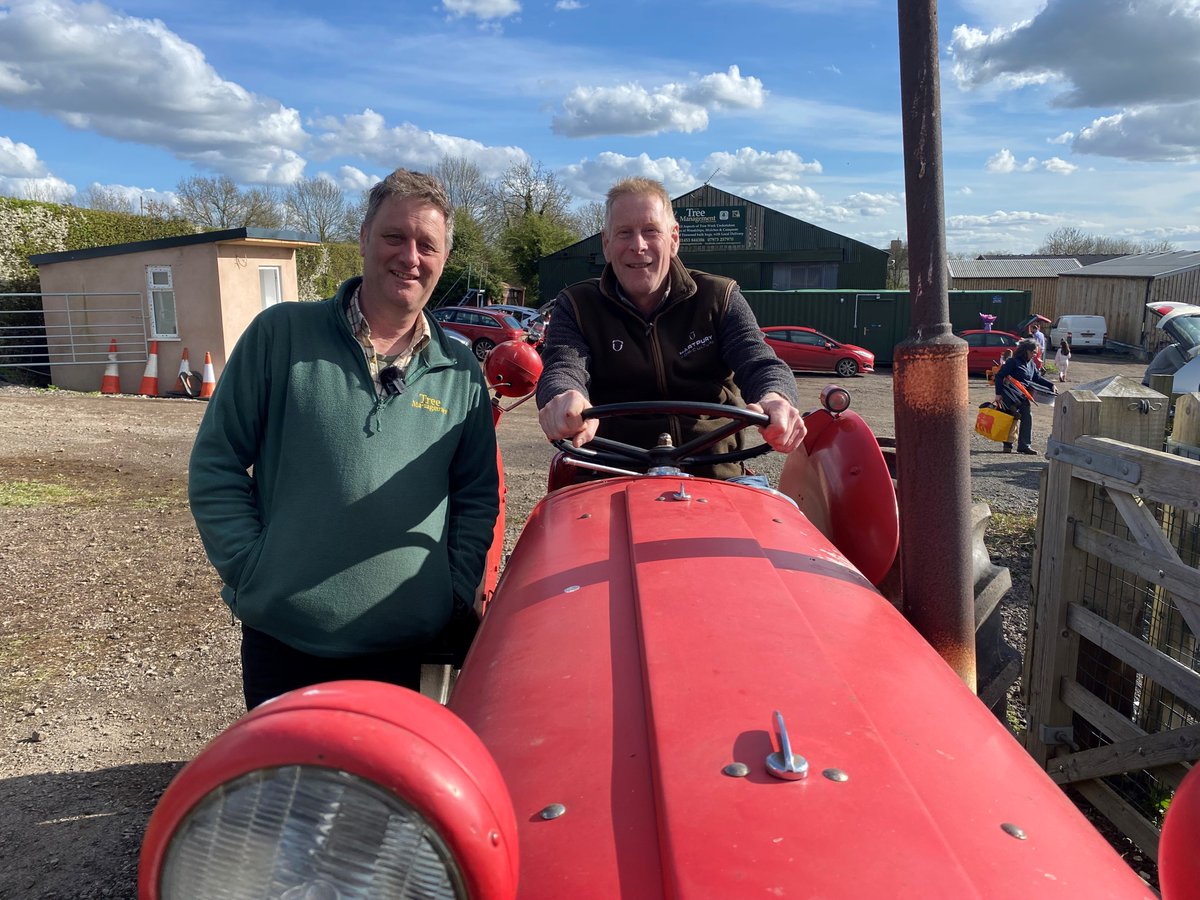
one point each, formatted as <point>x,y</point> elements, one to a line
<point>347,790</point>
<point>306,833</point>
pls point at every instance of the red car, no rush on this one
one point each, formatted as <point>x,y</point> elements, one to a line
<point>984,348</point>
<point>483,327</point>
<point>807,350</point>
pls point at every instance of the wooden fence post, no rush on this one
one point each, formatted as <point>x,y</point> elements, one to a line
<point>1052,647</point>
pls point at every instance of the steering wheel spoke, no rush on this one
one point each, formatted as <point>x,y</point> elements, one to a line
<point>609,452</point>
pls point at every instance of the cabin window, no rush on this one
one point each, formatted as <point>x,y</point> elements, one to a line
<point>270,285</point>
<point>161,290</point>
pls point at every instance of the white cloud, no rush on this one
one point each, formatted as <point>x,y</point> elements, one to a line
<point>965,190</point>
<point>631,109</point>
<point>136,196</point>
<point>1007,13</point>
<point>19,160</point>
<point>368,136</point>
<point>999,219</point>
<point>568,5</point>
<point>747,172</point>
<point>749,166</point>
<point>1168,133</point>
<point>1065,138</point>
<point>1004,162</point>
<point>1059,166</point>
<point>133,79</point>
<point>482,9</point>
<point>772,179</point>
<point>871,205</point>
<point>47,188</point>
<point>354,180</point>
<point>833,70</point>
<point>1138,58</point>
<point>591,179</point>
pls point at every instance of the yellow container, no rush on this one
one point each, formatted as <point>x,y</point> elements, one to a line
<point>994,424</point>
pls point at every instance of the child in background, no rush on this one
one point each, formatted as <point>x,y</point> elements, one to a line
<point>1062,359</point>
<point>1005,356</point>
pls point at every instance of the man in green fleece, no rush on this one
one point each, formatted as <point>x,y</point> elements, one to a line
<point>344,476</point>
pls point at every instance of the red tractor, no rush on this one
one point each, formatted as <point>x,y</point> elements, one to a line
<point>682,688</point>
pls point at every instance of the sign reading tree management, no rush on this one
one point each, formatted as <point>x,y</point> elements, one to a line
<point>708,225</point>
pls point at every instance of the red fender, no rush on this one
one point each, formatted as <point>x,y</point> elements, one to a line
<point>840,481</point>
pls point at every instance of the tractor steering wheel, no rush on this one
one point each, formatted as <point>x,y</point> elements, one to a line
<point>614,453</point>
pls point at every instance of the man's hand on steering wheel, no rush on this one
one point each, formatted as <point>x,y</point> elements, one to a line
<point>786,429</point>
<point>562,419</point>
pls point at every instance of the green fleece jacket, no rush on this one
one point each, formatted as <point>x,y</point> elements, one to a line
<point>343,523</point>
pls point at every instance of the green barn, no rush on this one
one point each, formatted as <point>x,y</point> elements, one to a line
<point>725,234</point>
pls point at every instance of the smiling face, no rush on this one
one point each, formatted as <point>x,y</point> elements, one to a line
<point>404,250</point>
<point>641,239</point>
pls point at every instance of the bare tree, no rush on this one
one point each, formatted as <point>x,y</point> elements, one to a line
<point>465,184</point>
<point>108,199</point>
<point>589,218</point>
<point>215,203</point>
<point>531,190</point>
<point>318,206</point>
<point>1071,240</point>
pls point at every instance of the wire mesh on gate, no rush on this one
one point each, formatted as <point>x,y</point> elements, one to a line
<point>1148,612</point>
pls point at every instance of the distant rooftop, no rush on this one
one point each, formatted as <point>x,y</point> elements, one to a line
<point>1085,259</point>
<point>1144,265</point>
<point>1023,267</point>
<point>257,236</point>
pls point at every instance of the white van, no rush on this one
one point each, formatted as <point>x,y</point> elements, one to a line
<point>1080,332</point>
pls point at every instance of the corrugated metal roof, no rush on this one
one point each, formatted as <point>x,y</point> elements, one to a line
<point>1145,265</point>
<point>1085,259</point>
<point>1010,268</point>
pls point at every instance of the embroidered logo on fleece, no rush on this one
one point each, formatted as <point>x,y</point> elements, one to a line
<point>618,345</point>
<point>424,401</point>
<point>695,345</point>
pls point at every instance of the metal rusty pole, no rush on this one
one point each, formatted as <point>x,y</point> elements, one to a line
<point>933,476</point>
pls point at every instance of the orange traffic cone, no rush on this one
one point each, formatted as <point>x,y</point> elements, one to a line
<point>111,382</point>
<point>209,382</point>
<point>185,370</point>
<point>149,386</point>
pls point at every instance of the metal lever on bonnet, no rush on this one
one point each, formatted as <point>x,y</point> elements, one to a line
<point>597,467</point>
<point>785,764</point>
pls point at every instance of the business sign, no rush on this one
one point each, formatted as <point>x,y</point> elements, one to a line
<point>709,225</point>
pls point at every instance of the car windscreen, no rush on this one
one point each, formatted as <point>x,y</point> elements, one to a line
<point>1185,330</point>
<point>511,322</point>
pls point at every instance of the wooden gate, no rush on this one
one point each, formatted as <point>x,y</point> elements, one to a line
<point>1111,668</point>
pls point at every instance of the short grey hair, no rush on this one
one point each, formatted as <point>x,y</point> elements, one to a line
<point>1028,345</point>
<point>636,187</point>
<point>418,185</point>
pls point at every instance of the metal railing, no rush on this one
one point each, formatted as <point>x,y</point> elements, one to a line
<point>65,329</point>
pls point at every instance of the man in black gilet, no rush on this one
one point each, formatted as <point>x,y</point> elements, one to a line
<point>650,329</point>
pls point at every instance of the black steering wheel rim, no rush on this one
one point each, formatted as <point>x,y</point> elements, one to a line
<point>604,451</point>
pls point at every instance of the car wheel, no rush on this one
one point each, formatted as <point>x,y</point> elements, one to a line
<point>846,368</point>
<point>483,347</point>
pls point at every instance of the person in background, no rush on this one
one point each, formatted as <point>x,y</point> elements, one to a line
<point>344,477</point>
<point>1014,383</point>
<point>1005,356</point>
<point>1035,332</point>
<point>1062,359</point>
<point>650,329</point>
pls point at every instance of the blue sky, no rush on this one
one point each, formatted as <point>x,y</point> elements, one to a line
<point>1083,113</point>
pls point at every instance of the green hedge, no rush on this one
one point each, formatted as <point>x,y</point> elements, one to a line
<point>321,270</point>
<point>29,227</point>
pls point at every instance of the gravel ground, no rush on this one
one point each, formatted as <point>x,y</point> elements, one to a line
<point>118,660</point>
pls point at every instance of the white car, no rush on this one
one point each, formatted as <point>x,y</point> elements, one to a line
<point>1080,332</point>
